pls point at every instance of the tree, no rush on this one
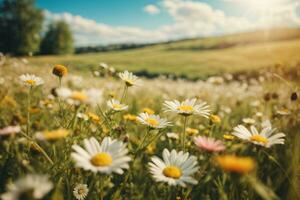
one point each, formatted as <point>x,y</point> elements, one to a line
<point>58,39</point>
<point>20,26</point>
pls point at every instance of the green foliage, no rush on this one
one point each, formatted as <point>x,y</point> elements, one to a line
<point>58,39</point>
<point>20,24</point>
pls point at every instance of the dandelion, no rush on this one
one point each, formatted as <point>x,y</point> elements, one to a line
<point>31,80</point>
<point>80,191</point>
<point>176,168</point>
<point>192,131</point>
<point>215,119</point>
<point>9,130</point>
<point>130,117</point>
<point>228,137</point>
<point>235,164</point>
<point>153,121</point>
<point>209,144</point>
<point>116,105</point>
<point>265,138</point>
<point>60,71</point>
<point>53,135</point>
<point>107,157</point>
<point>28,187</point>
<point>187,107</point>
<point>93,117</point>
<point>129,78</point>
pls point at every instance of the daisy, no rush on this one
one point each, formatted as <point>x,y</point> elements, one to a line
<point>249,121</point>
<point>265,138</point>
<point>31,80</point>
<point>107,157</point>
<point>30,186</point>
<point>175,168</point>
<point>95,96</point>
<point>209,144</point>
<point>173,135</point>
<point>129,78</point>
<point>80,191</point>
<point>153,121</point>
<point>187,107</point>
<point>116,105</point>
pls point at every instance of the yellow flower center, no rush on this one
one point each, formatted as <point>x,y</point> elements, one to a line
<point>31,82</point>
<point>185,108</point>
<point>81,191</point>
<point>129,82</point>
<point>79,96</point>
<point>101,160</point>
<point>117,106</point>
<point>172,172</point>
<point>228,137</point>
<point>259,138</point>
<point>152,122</point>
<point>148,110</point>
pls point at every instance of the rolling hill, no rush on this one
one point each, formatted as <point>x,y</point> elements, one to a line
<point>195,57</point>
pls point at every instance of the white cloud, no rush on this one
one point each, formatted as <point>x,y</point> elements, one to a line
<point>190,19</point>
<point>151,9</point>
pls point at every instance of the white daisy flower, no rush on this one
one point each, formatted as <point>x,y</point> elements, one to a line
<point>63,93</point>
<point>187,107</point>
<point>249,121</point>
<point>173,135</point>
<point>129,78</point>
<point>116,105</point>
<point>265,138</point>
<point>107,157</point>
<point>82,116</point>
<point>80,191</point>
<point>153,121</point>
<point>31,80</point>
<point>95,96</point>
<point>28,187</point>
<point>175,168</point>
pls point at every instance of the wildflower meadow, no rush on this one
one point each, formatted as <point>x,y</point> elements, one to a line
<point>110,134</point>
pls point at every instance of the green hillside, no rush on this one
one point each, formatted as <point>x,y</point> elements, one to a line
<point>196,57</point>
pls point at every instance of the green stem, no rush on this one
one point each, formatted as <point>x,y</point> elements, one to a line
<point>124,93</point>
<point>28,112</point>
<point>39,148</point>
<point>184,133</point>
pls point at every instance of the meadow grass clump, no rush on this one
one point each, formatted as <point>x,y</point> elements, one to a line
<point>157,139</point>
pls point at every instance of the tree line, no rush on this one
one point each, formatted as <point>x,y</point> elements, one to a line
<point>21,25</point>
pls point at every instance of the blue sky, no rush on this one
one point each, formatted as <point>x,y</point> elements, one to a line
<point>113,21</point>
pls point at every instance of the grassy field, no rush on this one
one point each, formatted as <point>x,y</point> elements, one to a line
<point>195,57</point>
<point>68,133</point>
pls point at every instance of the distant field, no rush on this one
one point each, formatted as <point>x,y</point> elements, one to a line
<point>195,57</point>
